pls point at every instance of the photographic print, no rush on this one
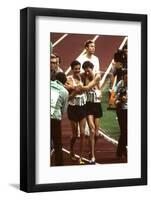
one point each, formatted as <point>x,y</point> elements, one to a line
<point>93,121</point>
<point>83,99</point>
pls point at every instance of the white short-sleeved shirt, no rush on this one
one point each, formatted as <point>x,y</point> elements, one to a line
<point>94,59</point>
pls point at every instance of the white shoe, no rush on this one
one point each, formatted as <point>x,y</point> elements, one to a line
<point>92,161</point>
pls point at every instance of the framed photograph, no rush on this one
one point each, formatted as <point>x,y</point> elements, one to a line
<point>83,99</point>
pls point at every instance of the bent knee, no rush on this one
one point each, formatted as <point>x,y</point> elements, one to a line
<point>92,131</point>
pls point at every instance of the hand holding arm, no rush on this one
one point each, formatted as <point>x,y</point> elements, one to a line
<point>94,82</point>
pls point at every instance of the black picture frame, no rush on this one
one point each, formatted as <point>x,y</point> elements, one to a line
<point>28,99</point>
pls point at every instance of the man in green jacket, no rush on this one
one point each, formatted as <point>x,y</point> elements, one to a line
<point>59,101</point>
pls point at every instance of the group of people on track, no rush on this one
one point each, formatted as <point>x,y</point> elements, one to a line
<point>80,95</point>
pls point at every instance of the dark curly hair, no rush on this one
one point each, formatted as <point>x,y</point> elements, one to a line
<point>87,64</point>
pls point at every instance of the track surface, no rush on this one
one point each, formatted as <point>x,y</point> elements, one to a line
<point>69,49</point>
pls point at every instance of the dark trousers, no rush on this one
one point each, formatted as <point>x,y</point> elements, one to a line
<point>122,143</point>
<point>56,137</point>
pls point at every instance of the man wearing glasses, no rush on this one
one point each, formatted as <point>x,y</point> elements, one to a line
<point>54,66</point>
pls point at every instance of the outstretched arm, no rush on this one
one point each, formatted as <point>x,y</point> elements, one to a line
<point>94,82</point>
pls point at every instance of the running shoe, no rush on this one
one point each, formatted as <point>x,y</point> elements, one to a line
<point>92,161</point>
<point>81,162</point>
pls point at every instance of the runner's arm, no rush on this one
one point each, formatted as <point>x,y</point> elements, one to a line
<point>91,84</point>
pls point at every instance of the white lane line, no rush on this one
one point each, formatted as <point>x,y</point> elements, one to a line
<point>69,68</point>
<point>115,142</point>
<point>110,65</point>
<point>108,138</point>
<point>78,156</point>
<point>123,43</point>
<point>52,151</point>
<point>59,40</point>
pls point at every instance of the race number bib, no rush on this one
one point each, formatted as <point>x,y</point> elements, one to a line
<point>54,99</point>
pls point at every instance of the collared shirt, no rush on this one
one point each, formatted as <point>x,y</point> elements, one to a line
<point>59,99</point>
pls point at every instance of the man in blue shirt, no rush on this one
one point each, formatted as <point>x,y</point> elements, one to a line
<point>59,101</point>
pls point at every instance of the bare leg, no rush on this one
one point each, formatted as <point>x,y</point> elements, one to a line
<point>97,125</point>
<point>92,136</point>
<point>74,126</point>
<point>82,137</point>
